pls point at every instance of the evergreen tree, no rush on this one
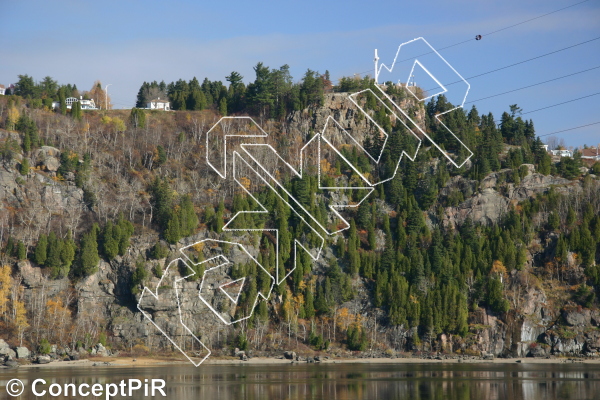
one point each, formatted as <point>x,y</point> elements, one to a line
<point>76,112</point>
<point>40,253</point>
<point>309,308</point>
<point>21,251</point>
<point>223,107</point>
<point>137,118</point>
<point>110,240</point>
<point>88,257</point>
<point>24,169</point>
<point>126,230</point>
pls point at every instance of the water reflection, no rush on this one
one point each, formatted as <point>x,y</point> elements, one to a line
<point>342,381</point>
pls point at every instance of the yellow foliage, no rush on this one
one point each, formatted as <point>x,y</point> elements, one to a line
<point>287,306</point>
<point>199,247</point>
<point>5,284</point>
<point>106,120</point>
<point>344,318</point>
<point>12,118</point>
<point>298,302</point>
<point>56,310</point>
<point>20,316</point>
<point>118,124</point>
<point>498,268</point>
<point>245,182</point>
<point>325,166</point>
<point>302,285</point>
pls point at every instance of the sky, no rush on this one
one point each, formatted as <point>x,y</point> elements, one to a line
<point>124,43</point>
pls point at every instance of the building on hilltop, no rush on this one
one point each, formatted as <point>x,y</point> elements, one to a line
<point>158,104</point>
<point>2,90</point>
<point>562,153</point>
<point>85,104</point>
<point>592,153</point>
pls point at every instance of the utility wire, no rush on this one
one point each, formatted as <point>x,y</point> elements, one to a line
<point>534,18</point>
<point>520,62</point>
<point>488,34</point>
<point>559,104</point>
<point>535,84</point>
<point>554,105</point>
<point>570,129</point>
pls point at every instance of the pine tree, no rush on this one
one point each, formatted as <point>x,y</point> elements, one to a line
<point>309,308</point>
<point>21,251</point>
<point>88,257</point>
<point>53,261</point>
<point>76,111</point>
<point>110,240</point>
<point>188,217</point>
<point>67,254</point>
<point>24,169</point>
<point>173,231</point>
<point>40,254</point>
<point>126,230</point>
<point>223,107</point>
<point>137,118</point>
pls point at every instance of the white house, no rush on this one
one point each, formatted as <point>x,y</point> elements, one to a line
<point>562,153</point>
<point>85,104</point>
<point>88,104</point>
<point>158,104</point>
<point>2,90</point>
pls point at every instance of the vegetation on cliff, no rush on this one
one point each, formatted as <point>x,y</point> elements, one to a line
<point>410,260</point>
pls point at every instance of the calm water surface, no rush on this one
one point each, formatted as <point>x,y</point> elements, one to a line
<point>338,381</point>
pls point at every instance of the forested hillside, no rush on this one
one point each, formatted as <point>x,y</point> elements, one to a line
<point>499,256</point>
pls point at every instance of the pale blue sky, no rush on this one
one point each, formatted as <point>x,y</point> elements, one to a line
<point>127,42</point>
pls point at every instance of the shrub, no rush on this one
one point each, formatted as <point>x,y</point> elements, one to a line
<point>44,347</point>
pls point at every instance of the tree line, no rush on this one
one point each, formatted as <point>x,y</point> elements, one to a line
<point>273,93</point>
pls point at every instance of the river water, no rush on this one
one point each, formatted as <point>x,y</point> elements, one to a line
<point>427,381</point>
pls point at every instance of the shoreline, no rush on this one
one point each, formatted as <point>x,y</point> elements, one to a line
<point>149,361</point>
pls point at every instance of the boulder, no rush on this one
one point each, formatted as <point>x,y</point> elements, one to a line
<point>48,157</point>
<point>51,164</point>
<point>23,352</point>
<point>74,356</point>
<point>43,359</point>
<point>577,316</point>
<point>5,350</point>
<point>539,351</point>
<point>289,355</point>
<point>11,364</point>
<point>100,350</point>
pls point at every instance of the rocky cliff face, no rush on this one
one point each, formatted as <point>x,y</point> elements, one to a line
<point>535,326</point>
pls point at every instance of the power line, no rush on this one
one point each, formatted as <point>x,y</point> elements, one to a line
<point>488,34</point>
<point>559,104</point>
<point>520,62</point>
<point>529,20</point>
<point>554,105</point>
<point>535,84</point>
<point>570,129</point>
